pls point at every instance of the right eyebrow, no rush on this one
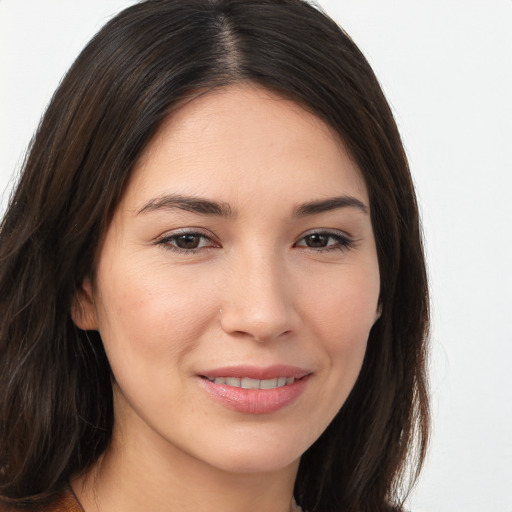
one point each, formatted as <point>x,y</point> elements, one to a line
<point>332,203</point>
<point>188,203</point>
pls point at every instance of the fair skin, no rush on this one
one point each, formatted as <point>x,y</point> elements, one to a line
<point>241,248</point>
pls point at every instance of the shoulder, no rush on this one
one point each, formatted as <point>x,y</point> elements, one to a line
<point>64,502</point>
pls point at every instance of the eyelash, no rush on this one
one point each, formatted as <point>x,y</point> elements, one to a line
<point>342,241</point>
<point>167,242</point>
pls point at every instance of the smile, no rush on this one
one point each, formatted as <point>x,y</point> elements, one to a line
<point>248,383</point>
<point>253,390</point>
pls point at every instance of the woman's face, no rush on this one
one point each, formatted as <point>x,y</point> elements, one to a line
<point>240,256</point>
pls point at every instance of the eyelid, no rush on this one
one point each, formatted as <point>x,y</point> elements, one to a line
<point>345,241</point>
<point>167,237</point>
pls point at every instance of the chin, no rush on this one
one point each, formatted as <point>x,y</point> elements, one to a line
<point>256,453</point>
<point>243,463</point>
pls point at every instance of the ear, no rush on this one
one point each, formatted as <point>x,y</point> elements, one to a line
<point>83,309</point>
<point>378,312</point>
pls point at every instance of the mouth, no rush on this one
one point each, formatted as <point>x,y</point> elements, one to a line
<point>248,383</point>
<point>253,390</point>
<point>255,377</point>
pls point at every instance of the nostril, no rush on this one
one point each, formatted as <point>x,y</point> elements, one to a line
<point>257,320</point>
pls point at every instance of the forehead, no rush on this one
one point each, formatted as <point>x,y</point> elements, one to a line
<point>241,142</point>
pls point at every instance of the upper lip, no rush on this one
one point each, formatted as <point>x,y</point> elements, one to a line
<point>256,372</point>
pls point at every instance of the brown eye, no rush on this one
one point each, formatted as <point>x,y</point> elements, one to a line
<point>325,241</point>
<point>188,241</point>
<point>317,240</point>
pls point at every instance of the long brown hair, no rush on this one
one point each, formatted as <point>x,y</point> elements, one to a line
<point>56,411</point>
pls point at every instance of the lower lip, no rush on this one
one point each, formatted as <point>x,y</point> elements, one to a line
<point>255,401</point>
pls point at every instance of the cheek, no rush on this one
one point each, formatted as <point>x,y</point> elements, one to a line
<point>149,319</point>
<point>345,301</point>
<point>343,312</point>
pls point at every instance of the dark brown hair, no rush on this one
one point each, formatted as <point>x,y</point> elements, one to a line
<point>56,410</point>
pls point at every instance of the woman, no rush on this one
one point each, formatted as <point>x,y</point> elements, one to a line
<point>213,291</point>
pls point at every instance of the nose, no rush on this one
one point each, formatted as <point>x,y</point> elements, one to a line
<point>258,300</point>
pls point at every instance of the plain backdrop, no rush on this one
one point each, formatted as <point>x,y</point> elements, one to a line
<point>446,67</point>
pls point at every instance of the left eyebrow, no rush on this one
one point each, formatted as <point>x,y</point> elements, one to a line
<point>190,204</point>
<point>326,205</point>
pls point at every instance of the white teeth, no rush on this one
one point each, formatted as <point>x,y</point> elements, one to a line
<point>231,381</point>
<point>247,383</point>
<point>268,384</point>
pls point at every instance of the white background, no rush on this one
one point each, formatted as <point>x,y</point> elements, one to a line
<point>446,67</point>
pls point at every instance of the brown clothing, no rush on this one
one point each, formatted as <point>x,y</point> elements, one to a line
<point>64,502</point>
